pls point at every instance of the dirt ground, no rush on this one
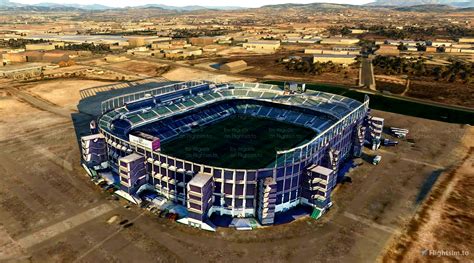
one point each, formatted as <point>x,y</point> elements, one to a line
<point>444,222</point>
<point>64,93</point>
<point>266,67</point>
<point>145,68</point>
<point>449,93</point>
<point>51,212</point>
<point>18,117</point>
<point>185,74</point>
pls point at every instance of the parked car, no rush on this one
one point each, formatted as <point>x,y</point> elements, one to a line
<point>376,160</point>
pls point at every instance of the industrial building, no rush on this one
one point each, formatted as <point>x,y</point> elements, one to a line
<point>304,175</point>
<point>234,66</point>
<point>336,58</point>
<point>202,41</point>
<point>339,41</point>
<point>262,46</point>
<point>331,51</point>
<point>140,41</point>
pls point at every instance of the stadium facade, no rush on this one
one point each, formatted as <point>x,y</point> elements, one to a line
<point>132,127</point>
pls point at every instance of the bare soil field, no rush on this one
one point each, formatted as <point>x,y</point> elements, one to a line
<point>450,93</point>
<point>64,93</point>
<point>443,223</point>
<point>51,212</point>
<point>393,88</point>
<point>145,68</point>
<point>232,51</point>
<point>88,71</point>
<point>14,111</point>
<point>267,67</point>
<point>185,74</point>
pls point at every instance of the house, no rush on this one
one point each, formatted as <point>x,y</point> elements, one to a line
<point>234,66</point>
<point>262,46</point>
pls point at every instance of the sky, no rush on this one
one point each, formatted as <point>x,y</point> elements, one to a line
<point>242,3</point>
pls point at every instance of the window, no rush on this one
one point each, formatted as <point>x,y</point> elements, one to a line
<point>217,173</point>
<point>239,176</point>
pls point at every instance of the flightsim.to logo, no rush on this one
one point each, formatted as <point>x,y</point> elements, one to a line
<point>444,253</point>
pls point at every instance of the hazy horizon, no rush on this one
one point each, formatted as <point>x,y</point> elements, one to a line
<point>180,3</point>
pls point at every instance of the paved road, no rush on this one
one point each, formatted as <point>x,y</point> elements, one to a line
<point>367,78</point>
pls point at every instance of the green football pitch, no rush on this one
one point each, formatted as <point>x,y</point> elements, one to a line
<point>239,141</point>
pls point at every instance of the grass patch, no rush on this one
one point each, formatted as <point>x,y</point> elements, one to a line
<point>240,141</point>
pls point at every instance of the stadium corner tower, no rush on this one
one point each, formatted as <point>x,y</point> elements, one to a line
<point>303,175</point>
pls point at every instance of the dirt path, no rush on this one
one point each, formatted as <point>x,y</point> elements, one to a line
<point>40,103</point>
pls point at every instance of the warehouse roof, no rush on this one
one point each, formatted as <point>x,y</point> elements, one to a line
<point>334,56</point>
<point>235,64</point>
<point>264,42</point>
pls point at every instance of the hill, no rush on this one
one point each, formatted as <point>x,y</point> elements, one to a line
<point>401,3</point>
<point>312,6</point>
<point>426,8</point>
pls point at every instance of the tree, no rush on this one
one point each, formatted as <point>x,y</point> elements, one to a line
<point>345,31</point>
<point>402,47</point>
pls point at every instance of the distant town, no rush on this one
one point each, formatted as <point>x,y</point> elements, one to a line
<point>411,52</point>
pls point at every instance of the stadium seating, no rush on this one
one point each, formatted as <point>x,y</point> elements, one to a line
<point>169,101</point>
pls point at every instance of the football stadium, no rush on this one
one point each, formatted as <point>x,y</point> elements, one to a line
<point>244,150</point>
